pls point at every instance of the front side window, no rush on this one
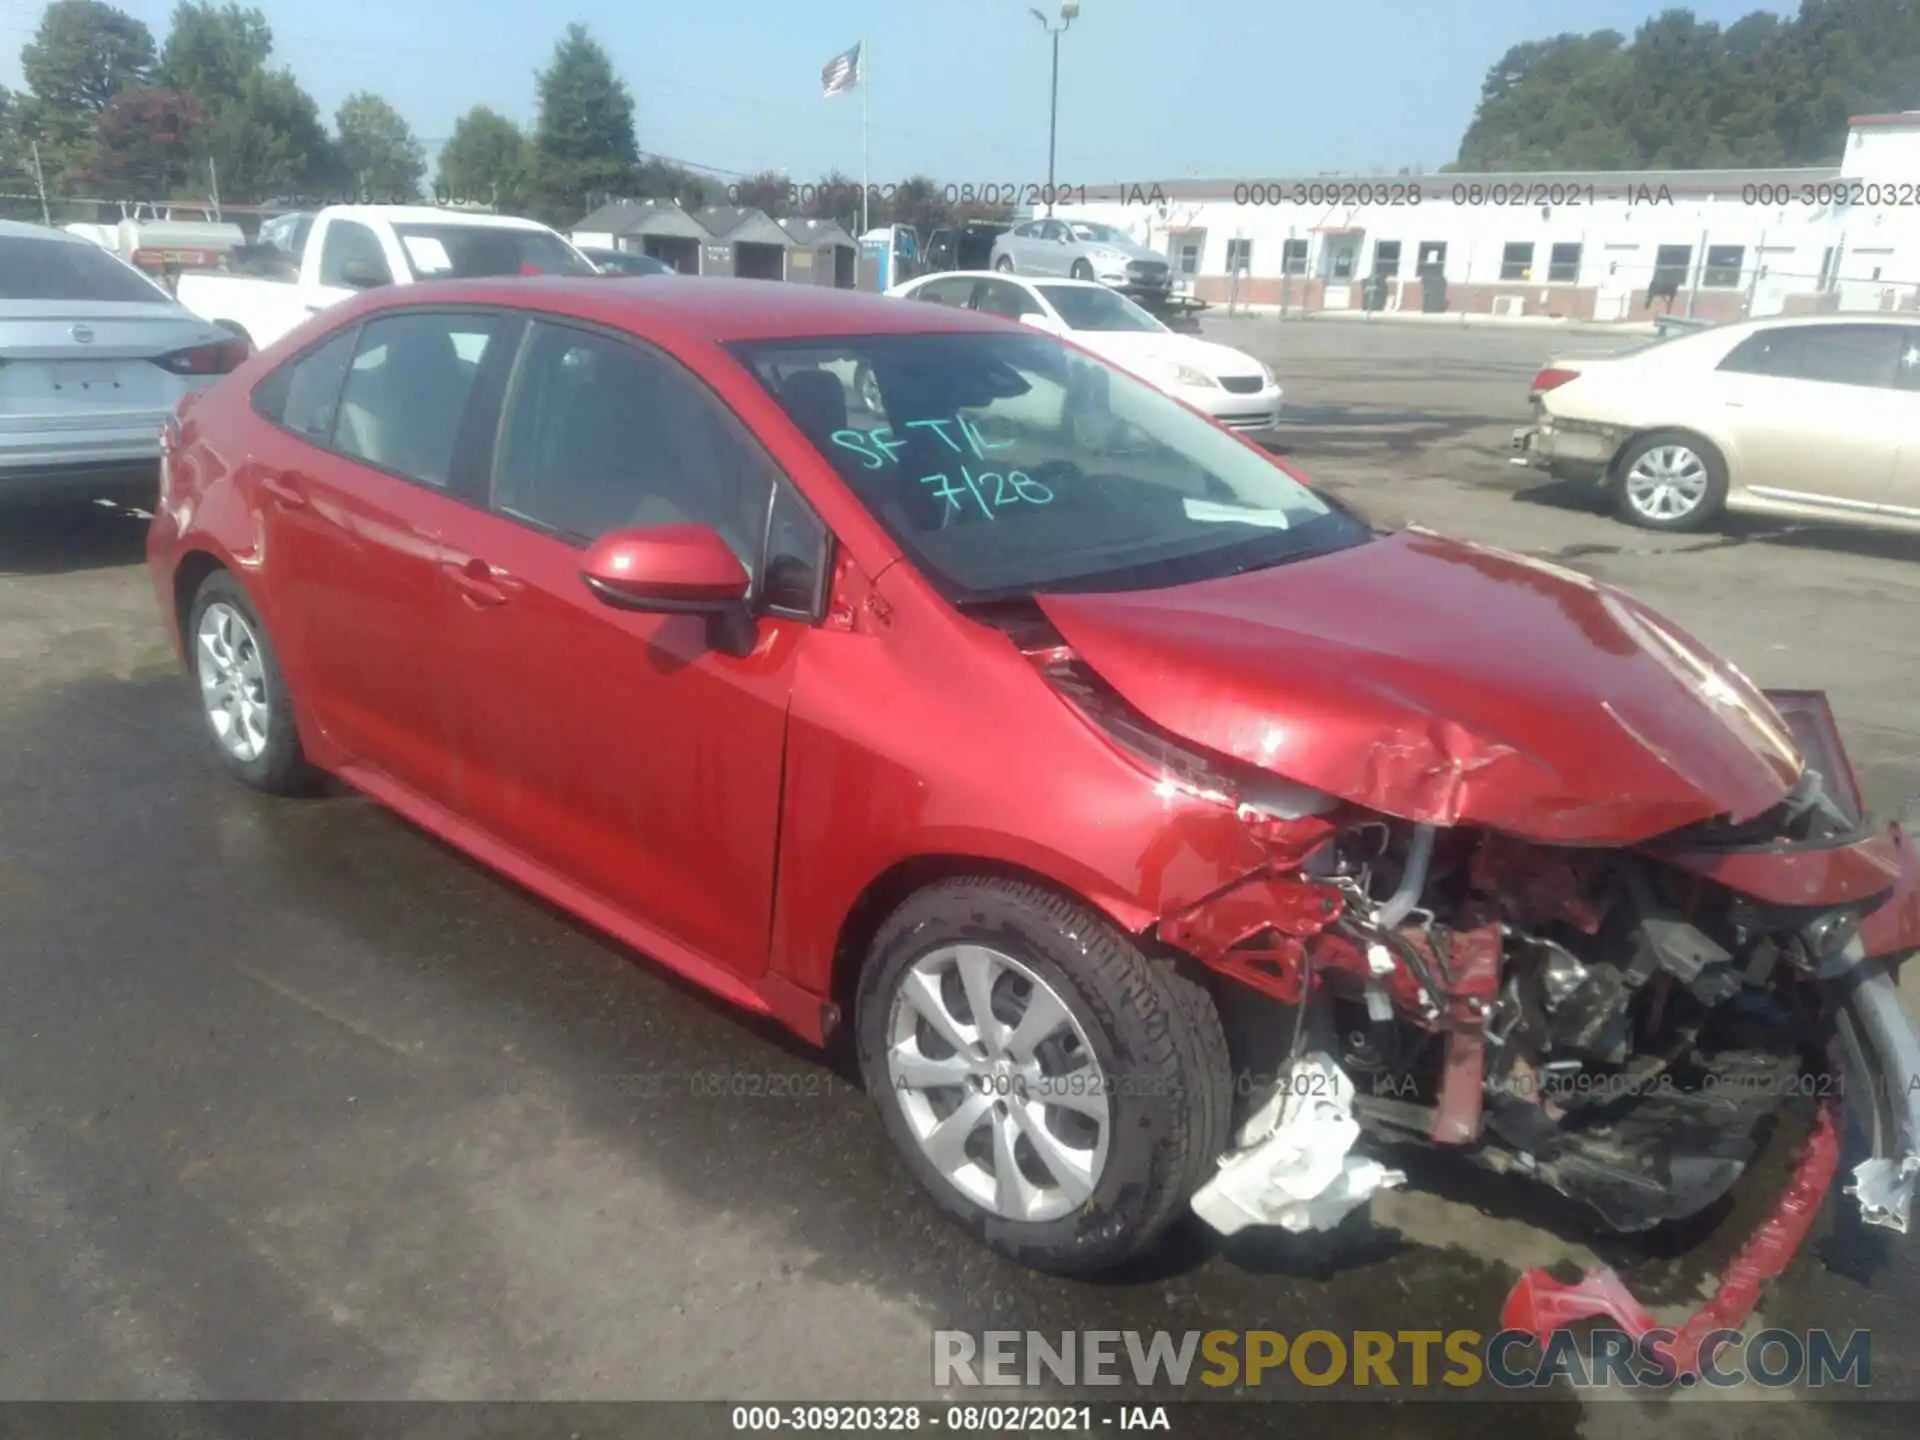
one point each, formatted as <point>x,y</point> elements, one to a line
<point>471,252</point>
<point>600,435</point>
<point>1085,307</point>
<point>351,255</point>
<point>1007,464</point>
<point>36,269</point>
<point>407,389</point>
<point>946,292</point>
<point>1002,297</point>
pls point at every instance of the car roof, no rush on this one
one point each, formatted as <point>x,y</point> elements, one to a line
<point>28,230</point>
<point>1029,281</point>
<point>431,215</point>
<point>709,309</point>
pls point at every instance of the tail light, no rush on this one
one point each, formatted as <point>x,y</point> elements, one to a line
<point>1552,378</point>
<point>219,358</point>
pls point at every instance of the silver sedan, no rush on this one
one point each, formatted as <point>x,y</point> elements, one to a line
<point>93,359</point>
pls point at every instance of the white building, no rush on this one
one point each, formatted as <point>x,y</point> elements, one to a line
<point>1717,245</point>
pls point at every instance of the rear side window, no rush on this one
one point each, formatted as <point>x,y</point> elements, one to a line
<point>1835,354</point>
<point>36,269</point>
<point>303,394</point>
<point>407,389</point>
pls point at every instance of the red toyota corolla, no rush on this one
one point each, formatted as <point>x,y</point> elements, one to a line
<point>1165,834</point>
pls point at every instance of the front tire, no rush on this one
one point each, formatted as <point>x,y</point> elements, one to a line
<point>243,692</point>
<point>1670,480</point>
<point>1004,265</point>
<point>1082,270</point>
<point>1059,1093</point>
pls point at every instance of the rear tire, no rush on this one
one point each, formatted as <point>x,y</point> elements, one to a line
<point>244,701</point>
<point>1134,1052</point>
<point>1669,480</point>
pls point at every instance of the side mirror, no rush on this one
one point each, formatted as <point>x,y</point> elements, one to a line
<point>674,570</point>
<point>364,275</point>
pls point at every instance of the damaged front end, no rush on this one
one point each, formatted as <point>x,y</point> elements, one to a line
<point>1621,1023</point>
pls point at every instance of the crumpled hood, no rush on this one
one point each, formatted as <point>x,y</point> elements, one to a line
<point>1447,683</point>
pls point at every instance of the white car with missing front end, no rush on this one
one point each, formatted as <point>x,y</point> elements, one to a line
<point>1232,387</point>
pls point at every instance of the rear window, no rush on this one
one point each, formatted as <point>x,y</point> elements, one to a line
<point>35,269</point>
<point>470,252</point>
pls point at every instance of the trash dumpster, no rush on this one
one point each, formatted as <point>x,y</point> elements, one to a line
<point>1433,290</point>
<point>1373,293</point>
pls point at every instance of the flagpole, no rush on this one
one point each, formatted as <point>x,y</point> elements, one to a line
<point>866,70</point>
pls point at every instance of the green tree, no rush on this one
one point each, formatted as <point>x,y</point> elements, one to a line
<point>659,179</point>
<point>82,54</point>
<point>211,49</point>
<point>271,142</point>
<point>144,145</point>
<point>767,190</point>
<point>1683,93</point>
<point>583,141</point>
<point>485,160</point>
<point>378,150</point>
<point>834,196</point>
<point>918,201</point>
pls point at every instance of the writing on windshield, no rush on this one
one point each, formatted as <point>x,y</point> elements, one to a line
<point>960,485</point>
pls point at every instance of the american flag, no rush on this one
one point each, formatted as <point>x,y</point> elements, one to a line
<point>841,73</point>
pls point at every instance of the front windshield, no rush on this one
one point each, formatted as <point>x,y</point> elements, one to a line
<point>1102,234</point>
<point>1094,307</point>
<point>470,252</point>
<point>1011,464</point>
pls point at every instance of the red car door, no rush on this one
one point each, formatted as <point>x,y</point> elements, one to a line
<point>353,485</point>
<point>618,749</point>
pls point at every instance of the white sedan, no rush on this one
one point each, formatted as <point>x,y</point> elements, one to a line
<point>1235,389</point>
<point>1813,418</point>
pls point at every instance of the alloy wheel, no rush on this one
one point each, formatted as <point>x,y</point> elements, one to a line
<point>233,681</point>
<point>1667,483</point>
<point>998,1083</point>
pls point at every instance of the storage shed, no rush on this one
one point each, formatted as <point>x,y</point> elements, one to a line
<point>824,254</point>
<point>743,242</point>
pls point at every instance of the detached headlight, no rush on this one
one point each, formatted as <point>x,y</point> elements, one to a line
<point>1108,257</point>
<point>1190,377</point>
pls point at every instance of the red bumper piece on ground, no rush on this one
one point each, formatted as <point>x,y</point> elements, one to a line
<point>1540,1304</point>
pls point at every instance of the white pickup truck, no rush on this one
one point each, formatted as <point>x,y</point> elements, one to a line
<point>349,248</point>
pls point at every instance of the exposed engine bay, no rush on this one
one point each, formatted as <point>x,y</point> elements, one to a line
<point>1621,1024</point>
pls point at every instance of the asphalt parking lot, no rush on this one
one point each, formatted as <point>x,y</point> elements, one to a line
<point>297,1103</point>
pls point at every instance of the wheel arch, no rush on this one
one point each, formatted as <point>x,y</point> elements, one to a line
<point>1717,443</point>
<point>188,576</point>
<point>891,888</point>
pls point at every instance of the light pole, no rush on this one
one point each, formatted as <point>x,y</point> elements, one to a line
<point>1068,10</point>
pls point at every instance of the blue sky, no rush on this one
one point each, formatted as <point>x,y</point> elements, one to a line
<point>1147,90</point>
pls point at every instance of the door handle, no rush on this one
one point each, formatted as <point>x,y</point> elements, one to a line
<point>1736,404</point>
<point>284,490</point>
<point>313,308</point>
<point>478,582</point>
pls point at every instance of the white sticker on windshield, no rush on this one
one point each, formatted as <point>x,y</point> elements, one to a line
<point>428,255</point>
<point>1208,510</point>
